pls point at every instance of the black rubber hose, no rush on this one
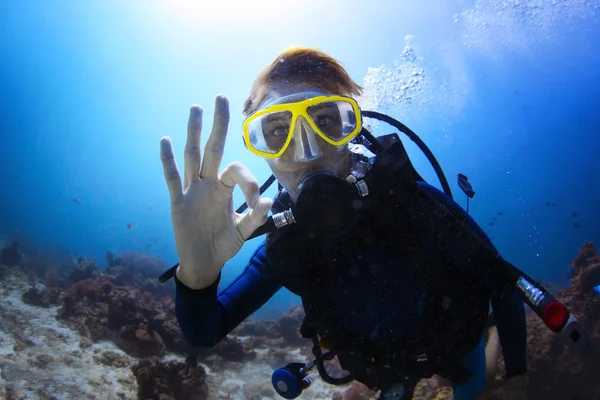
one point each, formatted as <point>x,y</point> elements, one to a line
<point>417,140</point>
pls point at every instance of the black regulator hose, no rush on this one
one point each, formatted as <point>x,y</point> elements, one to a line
<point>454,232</point>
<point>417,140</point>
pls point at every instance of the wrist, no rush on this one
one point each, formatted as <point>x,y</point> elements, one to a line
<point>195,281</point>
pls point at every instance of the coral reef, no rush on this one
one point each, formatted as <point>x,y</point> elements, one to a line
<point>42,297</point>
<point>289,325</point>
<point>140,325</point>
<point>555,370</point>
<point>138,270</point>
<point>169,380</point>
<point>84,269</point>
<point>40,358</point>
<point>119,326</point>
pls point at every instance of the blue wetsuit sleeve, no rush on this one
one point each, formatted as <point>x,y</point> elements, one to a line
<point>206,317</point>
<point>507,305</point>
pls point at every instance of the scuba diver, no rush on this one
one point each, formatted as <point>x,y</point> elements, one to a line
<point>396,279</point>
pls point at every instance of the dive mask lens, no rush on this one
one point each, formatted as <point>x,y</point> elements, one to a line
<point>268,133</point>
<point>335,119</point>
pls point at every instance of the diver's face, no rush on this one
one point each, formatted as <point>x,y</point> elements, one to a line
<point>307,153</point>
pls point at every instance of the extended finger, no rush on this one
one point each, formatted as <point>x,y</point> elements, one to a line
<point>213,152</point>
<point>191,157</point>
<point>170,170</point>
<point>236,173</point>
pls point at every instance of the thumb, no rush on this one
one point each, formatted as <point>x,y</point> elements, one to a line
<point>254,218</point>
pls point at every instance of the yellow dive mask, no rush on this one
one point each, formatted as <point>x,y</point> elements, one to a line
<point>302,117</point>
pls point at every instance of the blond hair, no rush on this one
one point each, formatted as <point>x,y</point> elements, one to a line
<point>303,65</point>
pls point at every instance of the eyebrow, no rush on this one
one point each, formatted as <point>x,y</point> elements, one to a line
<point>275,118</point>
<point>324,106</point>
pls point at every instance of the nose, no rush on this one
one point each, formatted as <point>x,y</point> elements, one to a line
<point>306,143</point>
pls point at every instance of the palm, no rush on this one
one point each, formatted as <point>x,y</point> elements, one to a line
<point>207,230</point>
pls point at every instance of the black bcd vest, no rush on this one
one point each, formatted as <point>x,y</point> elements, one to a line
<point>399,219</point>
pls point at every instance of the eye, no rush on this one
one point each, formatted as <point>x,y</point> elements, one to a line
<point>323,121</point>
<point>278,130</point>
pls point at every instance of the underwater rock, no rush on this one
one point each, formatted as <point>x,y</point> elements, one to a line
<point>53,278</point>
<point>289,325</point>
<point>230,349</point>
<point>140,325</point>
<point>145,265</point>
<point>128,307</point>
<point>44,297</point>
<point>585,269</point>
<point>276,357</point>
<point>85,309</point>
<point>170,380</point>
<point>40,361</point>
<point>355,390</point>
<point>21,344</point>
<point>258,390</point>
<point>120,275</point>
<point>167,327</point>
<point>139,341</point>
<point>268,329</point>
<point>84,269</point>
<point>140,271</point>
<point>557,371</point>
<point>111,359</point>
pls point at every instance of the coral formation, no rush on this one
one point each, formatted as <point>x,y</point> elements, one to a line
<point>138,323</point>
<point>84,269</point>
<point>556,370</point>
<point>121,319</point>
<point>169,380</point>
<point>289,325</point>
<point>43,297</point>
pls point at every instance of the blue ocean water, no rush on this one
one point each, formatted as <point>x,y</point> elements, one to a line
<point>506,93</point>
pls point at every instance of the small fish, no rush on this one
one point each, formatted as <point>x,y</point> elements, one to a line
<point>130,226</point>
<point>575,214</point>
<point>576,225</point>
<point>500,213</point>
<point>490,223</point>
<point>76,200</point>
